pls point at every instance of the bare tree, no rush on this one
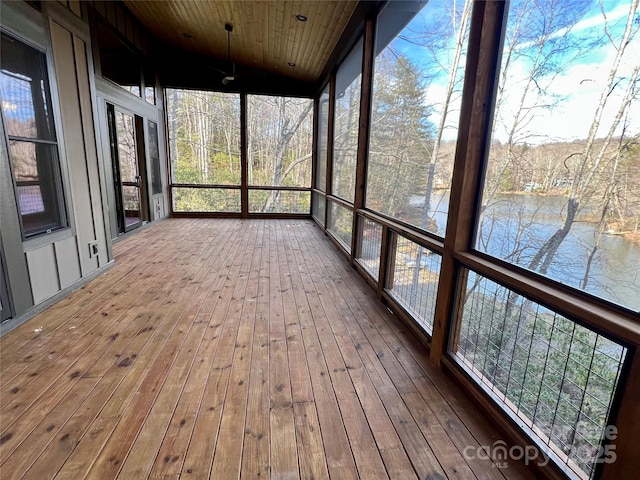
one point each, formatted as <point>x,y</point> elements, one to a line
<point>287,131</point>
<point>592,165</point>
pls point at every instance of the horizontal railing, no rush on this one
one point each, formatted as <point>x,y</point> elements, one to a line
<point>553,375</point>
<point>227,199</point>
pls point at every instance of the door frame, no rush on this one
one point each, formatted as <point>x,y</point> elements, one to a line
<point>117,183</point>
<point>6,304</point>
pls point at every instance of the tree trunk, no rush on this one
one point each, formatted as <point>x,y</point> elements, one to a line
<point>286,134</point>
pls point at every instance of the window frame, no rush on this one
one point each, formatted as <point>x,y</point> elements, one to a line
<point>61,228</point>
<point>353,60</point>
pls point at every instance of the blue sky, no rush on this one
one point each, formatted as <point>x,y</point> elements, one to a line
<point>578,85</point>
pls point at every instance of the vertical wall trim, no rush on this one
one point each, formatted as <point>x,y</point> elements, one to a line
<point>74,142</point>
<point>74,49</point>
<point>488,22</point>
<point>96,124</point>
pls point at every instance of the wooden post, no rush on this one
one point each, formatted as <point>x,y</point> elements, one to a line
<point>244,168</point>
<point>488,22</point>
<point>330,132</point>
<point>387,258</point>
<point>621,456</point>
<point>314,149</point>
<point>366,88</point>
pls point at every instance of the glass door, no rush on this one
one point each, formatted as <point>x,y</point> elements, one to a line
<point>126,169</point>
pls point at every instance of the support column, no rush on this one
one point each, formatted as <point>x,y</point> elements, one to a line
<point>488,22</point>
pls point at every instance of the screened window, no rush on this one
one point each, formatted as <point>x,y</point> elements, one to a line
<point>562,187</point>
<point>318,207</point>
<point>154,157</point>
<point>414,283</point>
<point>555,376</point>
<point>347,115</point>
<point>149,85</point>
<point>323,134</point>
<point>204,137</point>
<point>279,152</point>
<point>204,142</point>
<point>33,149</point>
<point>279,135</point>
<point>417,84</point>
<point>150,95</point>
<point>340,223</point>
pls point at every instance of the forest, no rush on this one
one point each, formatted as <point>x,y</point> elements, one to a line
<point>204,142</point>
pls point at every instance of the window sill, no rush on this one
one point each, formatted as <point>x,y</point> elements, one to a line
<point>46,239</point>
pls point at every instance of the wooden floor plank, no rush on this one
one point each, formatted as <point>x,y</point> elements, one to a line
<point>340,461</point>
<point>224,348</point>
<point>202,445</point>
<point>329,327</point>
<point>71,433</point>
<point>418,450</point>
<point>456,431</point>
<point>284,454</point>
<point>140,459</point>
<point>28,416</point>
<point>146,368</point>
<point>312,461</point>
<point>256,450</point>
<point>29,450</point>
<point>170,457</point>
<point>104,298</point>
<point>228,454</point>
<point>361,301</point>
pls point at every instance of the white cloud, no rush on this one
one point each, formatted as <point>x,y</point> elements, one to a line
<point>579,88</point>
<point>595,20</point>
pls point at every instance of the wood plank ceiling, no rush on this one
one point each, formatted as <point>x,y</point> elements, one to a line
<point>266,35</point>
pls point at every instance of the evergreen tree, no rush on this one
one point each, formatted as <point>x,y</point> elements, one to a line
<point>401,137</point>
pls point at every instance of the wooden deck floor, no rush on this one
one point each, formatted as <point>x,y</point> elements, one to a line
<point>225,349</point>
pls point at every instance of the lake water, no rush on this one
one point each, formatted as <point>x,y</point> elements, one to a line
<point>514,227</point>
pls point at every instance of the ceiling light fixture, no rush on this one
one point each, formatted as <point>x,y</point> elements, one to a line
<point>228,78</point>
<point>301,18</point>
<point>187,35</point>
<point>291,64</point>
